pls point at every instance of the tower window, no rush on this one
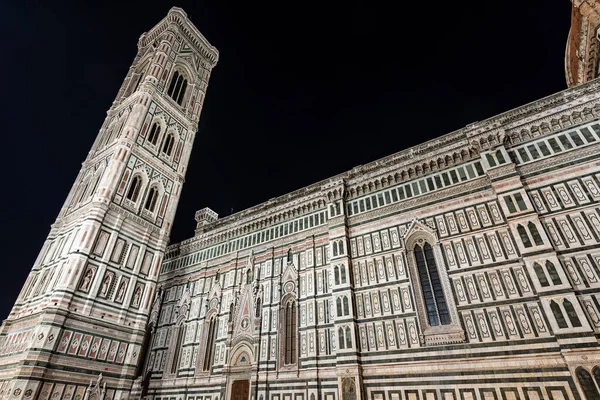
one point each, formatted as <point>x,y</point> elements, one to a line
<point>572,314</point>
<point>151,200</point>
<point>541,275</point>
<point>553,273</point>
<point>587,384</point>
<point>524,237</point>
<point>134,189</point>
<point>558,315</point>
<point>177,87</point>
<point>154,133</point>
<point>168,145</point>
<point>431,286</point>
<point>535,234</point>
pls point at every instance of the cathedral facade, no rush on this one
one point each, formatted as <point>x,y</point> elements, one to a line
<point>465,268</point>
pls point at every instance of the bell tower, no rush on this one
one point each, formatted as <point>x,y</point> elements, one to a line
<point>82,314</point>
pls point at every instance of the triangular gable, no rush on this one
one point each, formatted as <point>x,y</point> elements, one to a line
<point>417,226</point>
<point>243,320</point>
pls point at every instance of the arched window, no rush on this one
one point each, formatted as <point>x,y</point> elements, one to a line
<point>558,315</point>
<point>523,235</point>
<point>210,344</point>
<point>346,306</point>
<point>341,247</point>
<point>134,189</point>
<point>151,200</point>
<point>335,249</point>
<point>84,188</point>
<point>537,239</point>
<point>336,273</point>
<point>575,322</point>
<point>553,273</point>
<point>291,326</point>
<point>231,312</point>
<point>177,87</point>
<point>168,145</point>
<point>596,373</point>
<point>338,303</point>
<point>341,338</point>
<point>177,350</point>
<point>154,133</point>
<point>431,286</point>
<point>500,157</point>
<point>343,273</point>
<point>258,308</point>
<point>587,384</point>
<point>541,275</point>
<point>348,339</point>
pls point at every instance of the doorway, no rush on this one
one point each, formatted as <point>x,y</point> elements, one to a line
<point>240,390</point>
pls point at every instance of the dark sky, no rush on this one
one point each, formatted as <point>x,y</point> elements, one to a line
<point>302,91</point>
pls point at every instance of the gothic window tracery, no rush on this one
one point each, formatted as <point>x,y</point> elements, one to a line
<point>431,286</point>
<point>210,344</point>
<point>151,199</point>
<point>177,349</point>
<point>535,234</point>
<point>436,309</point>
<point>291,327</point>
<point>587,383</point>
<point>134,189</point>
<point>168,145</point>
<point>178,87</point>
<point>540,275</point>
<point>154,133</point>
<point>571,314</point>
<point>558,315</point>
<point>524,237</point>
<point>553,273</point>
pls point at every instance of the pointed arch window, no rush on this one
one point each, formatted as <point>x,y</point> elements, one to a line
<point>151,200</point>
<point>524,237</point>
<point>553,273</point>
<point>431,286</point>
<point>177,87</point>
<point>348,339</point>
<point>134,189</point>
<point>335,249</point>
<point>210,345</point>
<point>336,273</point>
<point>168,145</point>
<point>177,350</point>
<point>575,321</point>
<point>258,308</point>
<point>587,384</point>
<point>341,341</point>
<point>346,306</point>
<point>343,273</point>
<point>558,315</point>
<point>535,234</point>
<point>291,325</point>
<point>154,133</point>
<point>539,272</point>
<point>338,303</point>
<point>231,312</point>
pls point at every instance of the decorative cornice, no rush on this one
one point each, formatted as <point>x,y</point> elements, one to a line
<point>452,148</point>
<point>178,17</point>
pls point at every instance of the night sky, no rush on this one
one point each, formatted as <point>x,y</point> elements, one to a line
<point>302,91</point>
